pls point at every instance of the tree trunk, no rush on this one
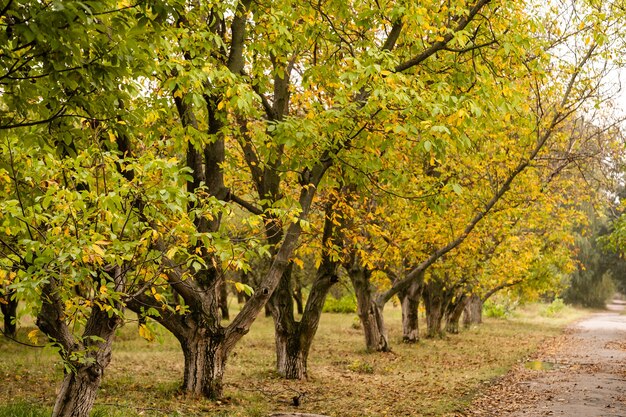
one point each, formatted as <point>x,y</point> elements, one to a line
<point>294,339</point>
<point>453,314</point>
<point>78,392</point>
<point>370,313</point>
<point>410,303</point>
<point>291,355</point>
<point>80,385</point>
<point>434,303</point>
<point>9,313</point>
<point>205,361</point>
<point>473,311</point>
<point>290,358</point>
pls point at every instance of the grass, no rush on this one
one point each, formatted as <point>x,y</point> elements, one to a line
<point>433,378</point>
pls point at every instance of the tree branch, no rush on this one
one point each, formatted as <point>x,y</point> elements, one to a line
<point>440,45</point>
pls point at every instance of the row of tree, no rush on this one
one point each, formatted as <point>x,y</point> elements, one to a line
<point>154,150</point>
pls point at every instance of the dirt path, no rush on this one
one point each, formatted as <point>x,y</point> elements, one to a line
<point>587,376</point>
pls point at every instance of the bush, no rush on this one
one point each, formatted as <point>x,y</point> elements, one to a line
<point>590,289</point>
<point>500,308</point>
<point>361,367</point>
<point>346,304</point>
<point>554,308</point>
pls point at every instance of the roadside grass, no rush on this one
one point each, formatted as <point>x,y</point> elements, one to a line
<point>433,378</point>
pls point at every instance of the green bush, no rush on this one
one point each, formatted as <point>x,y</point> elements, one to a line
<point>346,304</point>
<point>554,308</point>
<point>495,310</point>
<point>361,367</point>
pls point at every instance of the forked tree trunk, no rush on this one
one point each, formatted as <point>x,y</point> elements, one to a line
<point>473,311</point>
<point>292,361</point>
<point>370,313</point>
<point>78,392</point>
<point>9,313</point>
<point>205,361</point>
<point>286,330</point>
<point>410,303</point>
<point>453,314</point>
<point>294,339</point>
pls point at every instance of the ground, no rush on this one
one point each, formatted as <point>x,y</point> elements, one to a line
<point>581,373</point>
<point>434,378</point>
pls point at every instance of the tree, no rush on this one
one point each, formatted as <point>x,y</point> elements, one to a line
<point>61,68</point>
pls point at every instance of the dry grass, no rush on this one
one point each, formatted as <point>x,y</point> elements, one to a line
<point>433,378</point>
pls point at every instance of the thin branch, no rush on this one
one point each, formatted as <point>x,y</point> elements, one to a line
<point>440,45</point>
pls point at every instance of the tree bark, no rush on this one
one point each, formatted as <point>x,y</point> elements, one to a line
<point>294,339</point>
<point>473,311</point>
<point>9,313</point>
<point>80,385</point>
<point>205,360</point>
<point>453,314</point>
<point>434,303</point>
<point>78,392</point>
<point>410,303</point>
<point>370,313</point>
<point>290,355</point>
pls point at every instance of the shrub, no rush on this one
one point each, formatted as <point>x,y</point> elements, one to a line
<point>554,308</point>
<point>361,367</point>
<point>495,310</point>
<point>345,304</point>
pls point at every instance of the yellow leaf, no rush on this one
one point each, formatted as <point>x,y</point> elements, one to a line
<point>146,333</point>
<point>171,253</point>
<point>104,289</point>
<point>156,295</point>
<point>97,249</point>
<point>33,336</point>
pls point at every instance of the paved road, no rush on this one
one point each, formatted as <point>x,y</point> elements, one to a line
<point>588,378</point>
